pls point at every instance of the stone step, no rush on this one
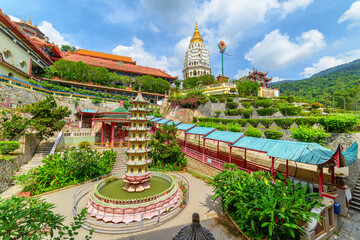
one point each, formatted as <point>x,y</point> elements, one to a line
<point>355,199</point>
<point>355,204</point>
<point>355,208</point>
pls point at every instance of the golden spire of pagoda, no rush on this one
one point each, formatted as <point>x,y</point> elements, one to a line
<point>196,37</point>
<point>30,21</point>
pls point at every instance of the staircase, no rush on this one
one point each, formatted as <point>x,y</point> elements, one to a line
<point>42,151</point>
<point>119,166</point>
<point>355,201</point>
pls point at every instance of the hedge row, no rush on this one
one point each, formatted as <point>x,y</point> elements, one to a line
<point>336,123</point>
<point>239,112</point>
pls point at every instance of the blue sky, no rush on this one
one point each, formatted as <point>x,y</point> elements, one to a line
<point>290,39</point>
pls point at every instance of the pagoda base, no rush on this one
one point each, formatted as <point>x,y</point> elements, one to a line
<point>135,178</point>
<point>136,187</point>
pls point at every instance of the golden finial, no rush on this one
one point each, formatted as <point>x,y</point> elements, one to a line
<point>196,37</point>
<point>36,24</point>
<point>30,21</point>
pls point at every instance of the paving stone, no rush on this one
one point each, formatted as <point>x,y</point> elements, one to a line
<point>347,226</point>
<point>355,233</point>
<point>340,221</point>
<point>356,217</point>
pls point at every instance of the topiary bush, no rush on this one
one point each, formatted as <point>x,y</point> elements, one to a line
<point>284,123</point>
<point>273,134</point>
<point>246,112</point>
<point>229,99</point>
<point>217,113</point>
<point>266,122</point>
<point>316,105</point>
<point>253,122</point>
<point>266,111</point>
<point>222,100</point>
<point>339,123</point>
<point>232,105</point>
<point>290,111</point>
<point>195,119</point>
<point>253,132</point>
<point>246,104</point>
<point>213,99</point>
<point>309,121</point>
<point>232,90</point>
<point>8,147</point>
<point>309,134</point>
<point>317,113</point>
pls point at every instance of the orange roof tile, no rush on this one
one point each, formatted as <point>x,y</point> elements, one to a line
<point>121,67</point>
<point>105,56</point>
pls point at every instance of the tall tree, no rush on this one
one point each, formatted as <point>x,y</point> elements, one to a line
<point>46,117</point>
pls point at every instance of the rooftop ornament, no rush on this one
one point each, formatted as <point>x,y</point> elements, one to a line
<point>195,231</point>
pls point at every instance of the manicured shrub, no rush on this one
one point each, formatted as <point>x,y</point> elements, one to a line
<point>284,123</point>
<point>232,90</point>
<point>253,122</point>
<point>213,99</point>
<point>304,114</point>
<point>310,121</point>
<point>246,104</point>
<point>253,132</point>
<point>290,111</point>
<point>195,119</point>
<point>222,100</point>
<point>84,145</point>
<point>266,122</point>
<point>232,105</point>
<point>265,103</point>
<point>8,147</point>
<point>316,105</point>
<point>266,111</point>
<point>246,112</point>
<point>229,99</point>
<point>217,113</point>
<point>291,98</point>
<point>233,127</point>
<point>339,123</point>
<point>273,134</point>
<point>241,122</point>
<point>317,113</point>
<point>309,134</point>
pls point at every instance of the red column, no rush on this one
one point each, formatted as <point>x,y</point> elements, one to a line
<point>102,133</point>
<point>320,181</point>
<point>185,144</point>
<point>80,125</point>
<point>230,155</point>
<point>272,166</point>
<point>217,154</point>
<point>332,168</point>
<point>199,141</point>
<point>287,168</point>
<point>245,160</point>
<point>203,156</point>
<point>112,133</point>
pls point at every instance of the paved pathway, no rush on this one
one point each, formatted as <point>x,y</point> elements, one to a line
<point>350,226</point>
<point>42,151</point>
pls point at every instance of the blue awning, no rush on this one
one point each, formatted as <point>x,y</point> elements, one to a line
<point>185,126</point>
<point>223,136</point>
<point>200,130</point>
<point>155,119</point>
<point>162,121</point>
<point>172,122</point>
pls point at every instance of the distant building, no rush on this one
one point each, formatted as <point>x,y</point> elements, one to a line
<point>263,80</point>
<point>197,57</point>
<point>20,57</point>
<point>115,63</point>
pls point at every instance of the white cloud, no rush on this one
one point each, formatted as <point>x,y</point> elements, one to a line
<point>277,51</point>
<point>137,51</point>
<point>15,19</point>
<point>242,73</point>
<point>331,61</point>
<point>291,6</point>
<point>53,34</point>
<point>154,28</point>
<point>352,14</point>
<point>276,79</point>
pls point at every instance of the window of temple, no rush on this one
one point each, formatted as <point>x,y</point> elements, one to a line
<point>23,64</point>
<point>133,146</point>
<point>132,158</point>
<point>139,170</point>
<point>140,135</point>
<point>134,124</point>
<point>140,158</point>
<point>11,74</point>
<point>140,125</point>
<point>140,146</point>
<point>131,170</point>
<point>140,115</point>
<point>133,135</point>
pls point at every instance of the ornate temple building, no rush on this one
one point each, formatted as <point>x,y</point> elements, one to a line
<point>197,57</point>
<point>259,77</point>
<point>137,173</point>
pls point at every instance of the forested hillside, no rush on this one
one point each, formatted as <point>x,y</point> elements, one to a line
<point>339,88</point>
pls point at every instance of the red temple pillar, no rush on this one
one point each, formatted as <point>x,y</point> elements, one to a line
<point>217,153</point>
<point>80,125</point>
<point>230,154</point>
<point>320,181</point>
<point>102,134</point>
<point>112,133</point>
<point>203,156</point>
<point>245,160</point>
<point>272,166</point>
<point>199,141</point>
<point>185,143</point>
<point>287,168</point>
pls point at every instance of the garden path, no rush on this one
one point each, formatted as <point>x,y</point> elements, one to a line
<point>349,226</point>
<point>119,165</point>
<point>42,151</point>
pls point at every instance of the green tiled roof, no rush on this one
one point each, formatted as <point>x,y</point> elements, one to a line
<point>120,110</point>
<point>224,136</point>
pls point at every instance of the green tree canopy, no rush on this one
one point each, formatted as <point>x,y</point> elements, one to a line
<point>68,48</point>
<point>195,81</point>
<point>46,117</point>
<point>246,87</point>
<point>151,84</point>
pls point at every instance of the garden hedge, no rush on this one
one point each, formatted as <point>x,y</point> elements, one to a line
<point>266,122</point>
<point>246,104</point>
<point>253,122</point>
<point>309,121</point>
<point>8,147</point>
<point>213,99</point>
<point>284,123</point>
<point>273,134</point>
<point>232,105</point>
<point>222,100</point>
<point>339,123</point>
<point>229,99</point>
<point>267,111</point>
<point>290,111</point>
<point>253,132</point>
